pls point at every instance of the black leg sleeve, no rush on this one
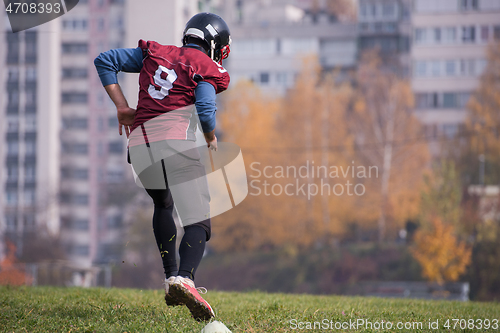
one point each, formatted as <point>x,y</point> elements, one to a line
<point>191,250</point>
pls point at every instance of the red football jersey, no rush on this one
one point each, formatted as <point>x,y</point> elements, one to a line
<point>166,89</point>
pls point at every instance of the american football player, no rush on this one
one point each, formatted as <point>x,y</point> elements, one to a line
<point>172,79</point>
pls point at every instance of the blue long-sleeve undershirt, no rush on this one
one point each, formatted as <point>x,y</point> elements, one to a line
<point>109,63</point>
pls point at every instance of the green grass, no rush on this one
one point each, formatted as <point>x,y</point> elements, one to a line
<point>48,309</point>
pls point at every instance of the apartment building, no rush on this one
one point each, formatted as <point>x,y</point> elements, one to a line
<point>63,162</point>
<point>450,38</point>
<point>270,39</point>
<point>29,149</point>
<point>385,25</point>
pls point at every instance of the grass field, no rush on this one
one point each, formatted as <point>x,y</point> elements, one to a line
<point>47,309</point>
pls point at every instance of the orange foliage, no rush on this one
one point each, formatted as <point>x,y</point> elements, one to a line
<point>441,255</point>
<point>10,273</point>
<point>309,128</point>
<point>387,133</point>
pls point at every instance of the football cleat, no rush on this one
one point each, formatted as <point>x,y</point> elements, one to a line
<point>171,301</point>
<point>183,290</point>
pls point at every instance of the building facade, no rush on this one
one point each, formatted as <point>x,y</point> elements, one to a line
<point>271,38</point>
<point>64,165</point>
<point>385,25</point>
<point>450,39</point>
<point>29,150</point>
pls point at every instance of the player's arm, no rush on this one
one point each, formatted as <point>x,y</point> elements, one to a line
<point>108,64</point>
<point>206,108</point>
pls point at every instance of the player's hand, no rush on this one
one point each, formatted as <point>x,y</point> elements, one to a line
<point>212,144</point>
<point>126,117</point>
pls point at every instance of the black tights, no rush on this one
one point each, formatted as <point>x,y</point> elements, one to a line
<point>193,242</point>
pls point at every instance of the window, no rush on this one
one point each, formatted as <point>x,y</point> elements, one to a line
<point>450,67</point>
<point>449,100</point>
<point>100,24</point>
<point>390,27</point>
<point>434,100</point>
<point>11,222</point>
<point>435,66</point>
<point>30,147</point>
<point>437,35</point>
<point>75,148</point>
<point>11,197</point>
<point>80,224</point>
<point>450,130</point>
<point>74,48</point>
<point>31,74</point>
<point>29,221</point>
<point>463,99</point>
<point>427,100</point>
<point>30,123</point>
<point>496,32</point>
<point>13,97</point>
<point>13,76</point>
<point>449,34</point>
<point>264,77</point>
<point>74,97</point>
<point>388,10</point>
<point>420,68</point>
<point>30,97</point>
<point>115,176</point>
<point>468,4</point>
<point>100,123</point>
<point>468,67</point>
<point>80,148</point>
<point>12,173</point>
<point>362,10</point>
<point>74,73</point>
<point>116,147</point>
<point>81,250</point>
<point>115,221</point>
<point>282,78</point>
<point>12,124</point>
<point>421,100</point>
<point>469,34</point>
<point>480,66</point>
<point>81,199</point>
<point>12,148</point>
<point>31,47</point>
<point>29,197</point>
<point>75,25</point>
<point>113,122</point>
<point>82,174</point>
<point>485,33</point>
<point>30,173</point>
<point>12,48</point>
<point>75,123</point>
<point>420,35</point>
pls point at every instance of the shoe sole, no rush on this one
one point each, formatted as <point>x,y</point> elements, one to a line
<point>171,301</point>
<point>198,310</point>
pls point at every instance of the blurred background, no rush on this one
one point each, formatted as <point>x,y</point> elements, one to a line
<point>410,88</point>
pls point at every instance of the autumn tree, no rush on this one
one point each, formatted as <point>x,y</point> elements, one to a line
<point>442,195</point>
<point>482,139</point>
<point>248,119</point>
<point>483,124</point>
<point>387,136</point>
<point>441,255</point>
<point>439,245</point>
<point>302,129</point>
